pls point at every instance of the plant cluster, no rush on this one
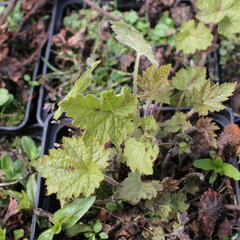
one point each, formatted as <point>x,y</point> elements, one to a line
<point>18,186</point>
<point>124,132</point>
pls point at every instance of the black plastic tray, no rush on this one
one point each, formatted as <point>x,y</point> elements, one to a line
<point>53,133</point>
<point>55,25</point>
<point>57,15</point>
<point>29,117</point>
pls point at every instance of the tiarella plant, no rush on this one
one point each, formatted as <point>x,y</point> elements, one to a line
<point>124,128</point>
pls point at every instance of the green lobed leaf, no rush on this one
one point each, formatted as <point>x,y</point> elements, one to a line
<point>140,154</point>
<point>193,37</point>
<point>230,171</point>
<point>213,11</point>
<point>229,25</point>
<point>154,84</point>
<point>210,97</point>
<point>76,169</point>
<point>158,233</point>
<point>205,164</point>
<point>188,79</point>
<point>192,182</point>
<point>5,96</point>
<point>134,189</point>
<point>80,86</point>
<point>149,125</point>
<point>177,123</point>
<point>71,213</point>
<point>105,118</point>
<point>133,39</point>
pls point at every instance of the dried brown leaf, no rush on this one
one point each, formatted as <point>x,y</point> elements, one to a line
<point>169,184</point>
<point>209,213</point>
<point>225,229</point>
<point>208,128</point>
<point>229,140</point>
<point>12,210</point>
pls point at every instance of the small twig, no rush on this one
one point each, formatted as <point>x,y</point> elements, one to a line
<point>112,181</point>
<point>50,89</point>
<point>102,11</point>
<point>110,213</point>
<point>10,183</point>
<point>41,213</point>
<point>37,6</point>
<point>11,5</point>
<point>232,207</point>
<point>35,53</point>
<point>165,163</point>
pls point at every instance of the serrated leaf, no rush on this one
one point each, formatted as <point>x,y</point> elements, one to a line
<point>192,182</point>
<point>208,128</point>
<point>133,39</point>
<point>105,118</point>
<point>158,233</point>
<point>71,213</point>
<point>179,202</point>
<point>140,154</point>
<point>80,86</point>
<point>154,84</point>
<point>187,79</point>
<point>75,169</point>
<point>210,97</point>
<point>229,25</point>
<point>213,11</point>
<point>193,37</point>
<point>177,123</point>
<point>148,125</point>
<point>134,189</point>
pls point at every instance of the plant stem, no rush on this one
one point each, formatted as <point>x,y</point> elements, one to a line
<point>148,103</point>
<point>181,99</point>
<point>10,183</point>
<point>135,75</point>
<point>190,113</point>
<point>112,181</point>
<point>170,154</point>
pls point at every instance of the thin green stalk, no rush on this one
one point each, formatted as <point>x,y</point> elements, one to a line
<point>135,74</point>
<point>181,99</point>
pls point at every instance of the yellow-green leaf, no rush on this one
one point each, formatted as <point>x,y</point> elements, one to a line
<point>105,118</point>
<point>134,189</point>
<point>193,37</point>
<point>210,97</point>
<point>140,154</point>
<point>80,86</point>
<point>154,84</point>
<point>75,169</point>
<point>133,39</point>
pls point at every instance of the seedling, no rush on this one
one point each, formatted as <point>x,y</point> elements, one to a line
<point>217,165</point>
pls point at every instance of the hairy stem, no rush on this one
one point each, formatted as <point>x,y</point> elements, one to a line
<point>135,74</point>
<point>112,181</point>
